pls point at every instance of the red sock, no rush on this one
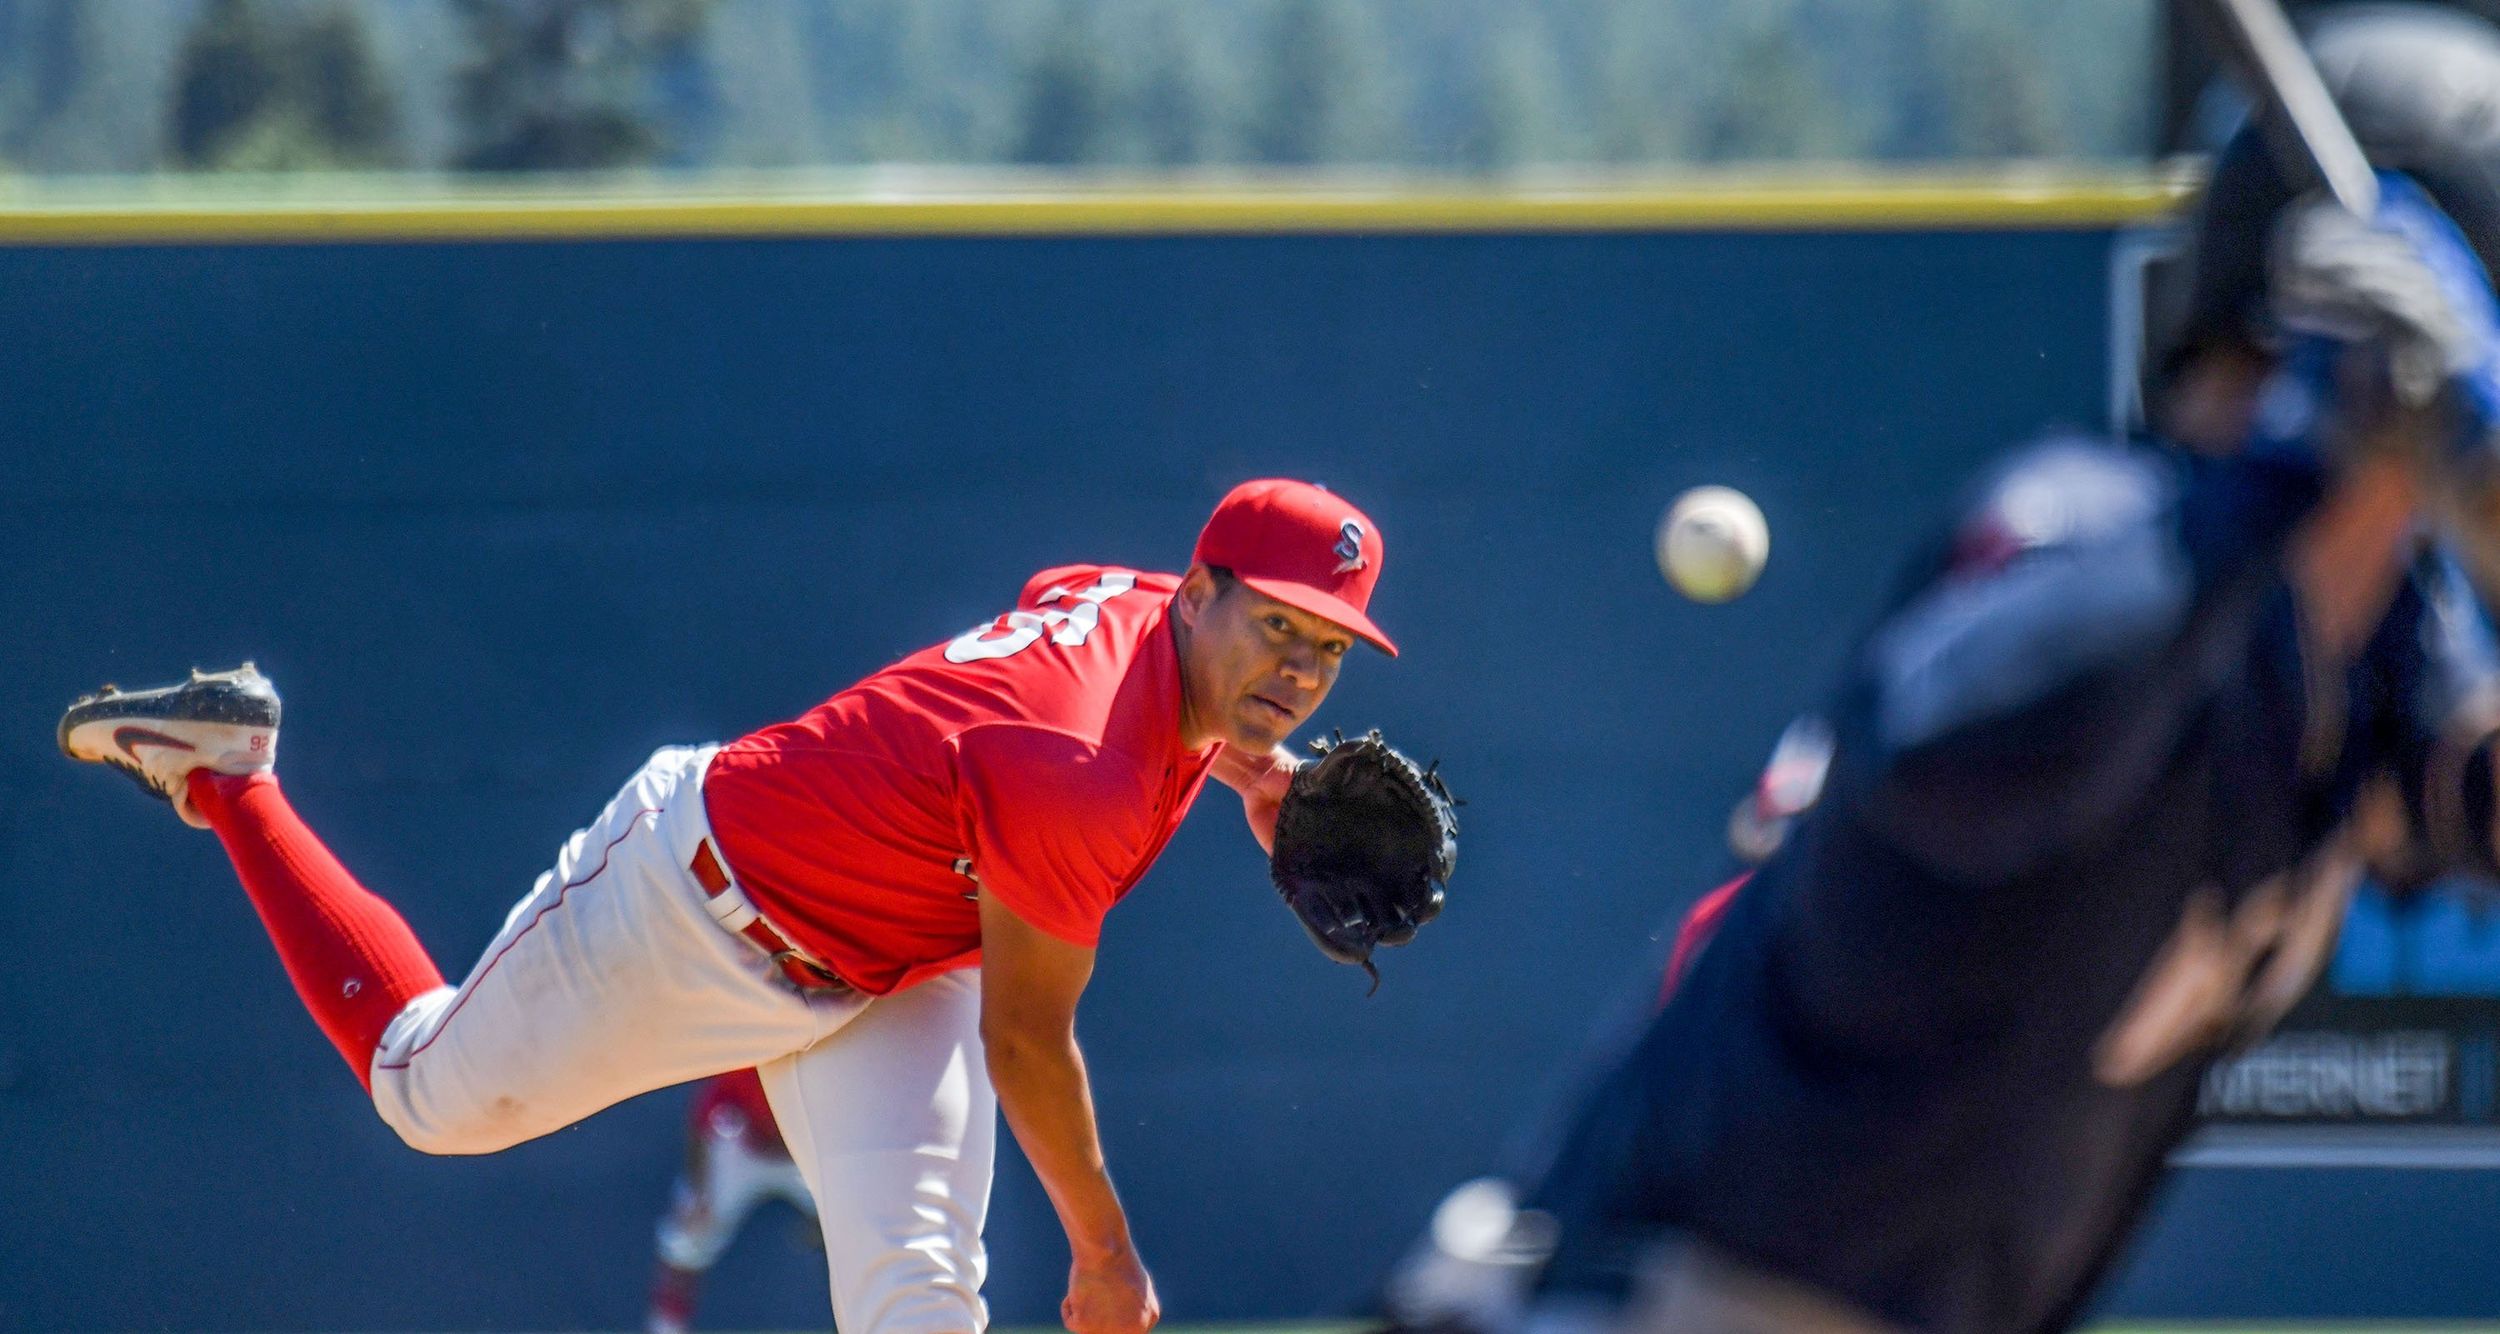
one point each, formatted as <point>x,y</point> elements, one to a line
<point>353,960</point>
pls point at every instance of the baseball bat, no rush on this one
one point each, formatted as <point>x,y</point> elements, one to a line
<point>2302,122</point>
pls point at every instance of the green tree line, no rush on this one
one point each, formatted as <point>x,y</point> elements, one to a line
<point>1450,86</point>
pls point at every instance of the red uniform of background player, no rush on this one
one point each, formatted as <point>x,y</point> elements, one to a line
<point>887,905</point>
<point>735,1160</point>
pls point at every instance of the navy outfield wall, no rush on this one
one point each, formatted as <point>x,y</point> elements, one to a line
<point>502,517</point>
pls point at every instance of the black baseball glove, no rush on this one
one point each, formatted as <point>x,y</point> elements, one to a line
<point>1364,842</point>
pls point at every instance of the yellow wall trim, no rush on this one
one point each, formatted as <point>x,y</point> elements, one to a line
<point>2011,204</point>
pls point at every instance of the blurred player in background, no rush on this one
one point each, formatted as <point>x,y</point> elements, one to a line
<point>889,904</point>
<point>1468,1269</point>
<point>735,1161</point>
<point>2089,822</point>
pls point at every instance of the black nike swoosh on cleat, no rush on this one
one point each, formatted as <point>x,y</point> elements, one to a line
<point>131,738</point>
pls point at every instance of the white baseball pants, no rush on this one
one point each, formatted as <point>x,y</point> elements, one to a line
<point>611,979</point>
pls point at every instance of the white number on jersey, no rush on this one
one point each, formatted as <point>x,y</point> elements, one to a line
<point>1019,630</point>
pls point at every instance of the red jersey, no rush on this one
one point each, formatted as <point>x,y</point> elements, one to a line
<point>1038,755</point>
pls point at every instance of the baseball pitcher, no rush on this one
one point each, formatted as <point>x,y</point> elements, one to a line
<point>887,905</point>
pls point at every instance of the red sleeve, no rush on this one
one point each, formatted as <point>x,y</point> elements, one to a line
<point>1042,814</point>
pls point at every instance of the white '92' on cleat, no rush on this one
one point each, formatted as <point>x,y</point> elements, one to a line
<point>223,721</point>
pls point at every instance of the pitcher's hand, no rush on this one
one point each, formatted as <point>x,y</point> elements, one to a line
<point>1113,1295</point>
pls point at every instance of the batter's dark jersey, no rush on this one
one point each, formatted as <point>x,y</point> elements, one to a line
<point>2079,837</point>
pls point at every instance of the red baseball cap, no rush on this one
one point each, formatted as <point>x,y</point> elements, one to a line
<point>1302,546</point>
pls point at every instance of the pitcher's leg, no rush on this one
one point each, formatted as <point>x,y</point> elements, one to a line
<point>893,1122</point>
<point>608,980</point>
<point>353,960</point>
<point>209,747</point>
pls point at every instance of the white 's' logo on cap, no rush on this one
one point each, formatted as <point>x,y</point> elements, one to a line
<point>1349,548</point>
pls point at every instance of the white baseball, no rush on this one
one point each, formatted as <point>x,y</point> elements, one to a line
<point>1713,543</point>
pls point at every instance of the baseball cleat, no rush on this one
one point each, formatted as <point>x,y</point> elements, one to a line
<point>223,721</point>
